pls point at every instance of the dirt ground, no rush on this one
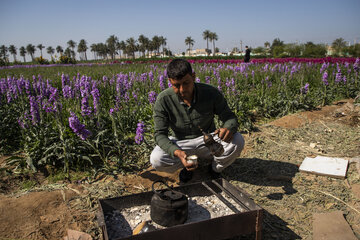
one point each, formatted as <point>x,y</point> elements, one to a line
<point>267,170</point>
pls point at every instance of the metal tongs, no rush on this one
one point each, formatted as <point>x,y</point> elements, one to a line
<point>215,148</point>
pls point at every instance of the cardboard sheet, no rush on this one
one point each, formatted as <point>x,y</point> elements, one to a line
<point>328,166</point>
<point>331,226</point>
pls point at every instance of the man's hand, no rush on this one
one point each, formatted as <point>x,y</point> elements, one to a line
<point>182,156</point>
<point>224,134</point>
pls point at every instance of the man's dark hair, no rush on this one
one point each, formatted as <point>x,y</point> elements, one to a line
<point>178,68</point>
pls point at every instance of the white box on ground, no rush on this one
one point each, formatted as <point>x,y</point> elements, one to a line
<point>328,166</point>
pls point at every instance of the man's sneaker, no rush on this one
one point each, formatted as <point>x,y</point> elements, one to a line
<point>185,175</point>
<point>213,174</point>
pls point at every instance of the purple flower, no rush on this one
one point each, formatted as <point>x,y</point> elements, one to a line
<point>266,67</point>
<point>105,79</point>
<point>269,84</point>
<point>140,130</point>
<point>77,127</point>
<point>207,79</point>
<point>324,67</point>
<point>219,83</point>
<point>324,78</point>
<point>135,95</point>
<point>22,123</point>
<point>197,79</point>
<point>152,97</point>
<point>67,91</point>
<point>293,70</point>
<point>27,86</point>
<point>161,82</point>
<point>34,110</point>
<point>63,80</point>
<point>305,88</point>
<point>227,82</point>
<point>126,97</point>
<point>52,105</point>
<point>9,97</point>
<point>3,86</point>
<point>85,108</point>
<point>151,76</point>
<point>356,64</point>
<point>143,77</point>
<point>96,98</point>
<point>338,77</point>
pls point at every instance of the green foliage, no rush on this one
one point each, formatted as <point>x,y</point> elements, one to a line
<point>63,59</point>
<point>28,184</point>
<point>259,50</point>
<point>353,51</point>
<point>41,60</point>
<point>293,50</point>
<point>314,50</point>
<point>278,51</point>
<point>339,45</point>
<point>10,131</point>
<point>3,62</point>
<point>253,91</point>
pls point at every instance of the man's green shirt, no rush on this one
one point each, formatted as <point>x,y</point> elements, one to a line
<point>171,111</point>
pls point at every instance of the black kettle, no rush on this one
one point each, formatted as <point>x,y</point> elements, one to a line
<point>168,207</point>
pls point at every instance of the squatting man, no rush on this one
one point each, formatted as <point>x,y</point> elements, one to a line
<point>185,108</point>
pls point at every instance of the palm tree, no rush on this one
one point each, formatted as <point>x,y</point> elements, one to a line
<point>213,37</point>
<point>82,48</point>
<point>40,46</point>
<point>59,50</point>
<point>162,42</point>
<point>3,52</point>
<point>118,49</point>
<point>71,44</point>
<point>131,46</point>
<point>31,50</point>
<point>189,41</point>
<point>143,44</point>
<point>338,45</point>
<point>206,35</point>
<point>103,50</point>
<point>50,50</point>
<point>93,48</point>
<point>156,43</point>
<point>68,52</point>
<point>13,51</point>
<point>122,46</point>
<point>111,44</point>
<point>151,47</point>
<point>23,52</point>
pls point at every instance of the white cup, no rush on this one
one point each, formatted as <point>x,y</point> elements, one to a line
<point>192,159</point>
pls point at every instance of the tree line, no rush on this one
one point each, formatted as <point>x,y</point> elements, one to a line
<point>156,46</point>
<point>278,48</point>
<point>109,49</point>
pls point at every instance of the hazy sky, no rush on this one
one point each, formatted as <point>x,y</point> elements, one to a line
<point>53,23</point>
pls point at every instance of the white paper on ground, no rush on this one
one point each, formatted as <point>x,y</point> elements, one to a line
<point>335,167</point>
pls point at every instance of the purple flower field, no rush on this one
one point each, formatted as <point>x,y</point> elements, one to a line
<point>85,115</point>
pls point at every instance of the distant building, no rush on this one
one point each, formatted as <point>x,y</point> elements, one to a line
<point>329,50</point>
<point>196,53</point>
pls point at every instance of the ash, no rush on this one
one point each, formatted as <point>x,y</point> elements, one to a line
<point>121,223</point>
